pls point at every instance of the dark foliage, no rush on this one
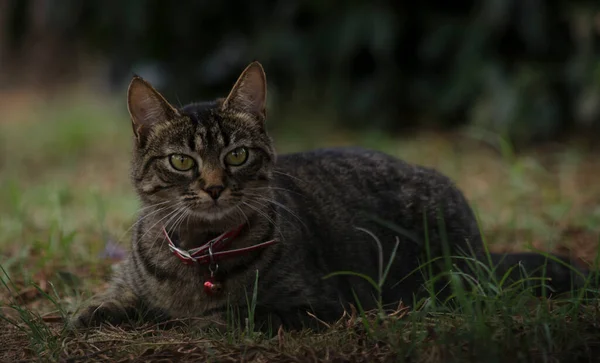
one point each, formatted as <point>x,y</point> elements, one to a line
<point>528,69</point>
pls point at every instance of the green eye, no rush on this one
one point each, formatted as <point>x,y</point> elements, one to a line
<point>236,157</point>
<point>181,162</point>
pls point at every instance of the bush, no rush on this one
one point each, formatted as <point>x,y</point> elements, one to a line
<point>529,70</point>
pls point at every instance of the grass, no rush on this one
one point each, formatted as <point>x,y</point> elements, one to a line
<point>65,201</point>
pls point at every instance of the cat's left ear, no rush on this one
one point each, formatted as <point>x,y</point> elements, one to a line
<point>147,107</point>
<point>249,94</point>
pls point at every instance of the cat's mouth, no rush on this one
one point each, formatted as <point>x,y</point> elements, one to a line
<point>231,206</point>
<point>213,210</point>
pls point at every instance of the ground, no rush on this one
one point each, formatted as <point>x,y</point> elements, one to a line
<point>66,206</point>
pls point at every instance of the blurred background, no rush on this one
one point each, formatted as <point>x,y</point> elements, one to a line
<point>501,95</point>
<point>529,70</point>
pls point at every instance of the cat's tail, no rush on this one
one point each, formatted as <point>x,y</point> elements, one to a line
<point>558,274</point>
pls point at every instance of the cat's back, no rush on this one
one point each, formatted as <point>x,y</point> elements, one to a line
<point>337,158</point>
<point>336,189</point>
<point>356,178</point>
<point>350,165</point>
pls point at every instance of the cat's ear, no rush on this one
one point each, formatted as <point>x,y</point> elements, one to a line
<point>147,107</point>
<point>249,94</point>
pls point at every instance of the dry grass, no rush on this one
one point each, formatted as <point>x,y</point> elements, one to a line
<point>65,193</point>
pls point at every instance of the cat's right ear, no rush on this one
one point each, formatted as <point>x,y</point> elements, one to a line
<point>249,94</point>
<point>146,107</point>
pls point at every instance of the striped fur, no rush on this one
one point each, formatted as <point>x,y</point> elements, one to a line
<point>310,201</point>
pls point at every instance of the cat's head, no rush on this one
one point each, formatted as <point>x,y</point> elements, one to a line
<point>209,161</point>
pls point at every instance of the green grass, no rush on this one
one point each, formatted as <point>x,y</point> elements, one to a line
<point>65,192</point>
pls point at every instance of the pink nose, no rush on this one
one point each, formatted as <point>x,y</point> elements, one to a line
<point>214,191</point>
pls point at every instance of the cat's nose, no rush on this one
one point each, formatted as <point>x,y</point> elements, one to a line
<point>214,191</point>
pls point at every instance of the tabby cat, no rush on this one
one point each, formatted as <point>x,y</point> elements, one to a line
<point>223,217</point>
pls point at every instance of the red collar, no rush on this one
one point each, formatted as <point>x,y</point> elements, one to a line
<point>213,250</point>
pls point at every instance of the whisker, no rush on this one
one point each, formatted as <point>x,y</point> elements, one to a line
<point>243,214</point>
<point>176,206</point>
<point>177,224</point>
<point>144,217</point>
<point>187,223</point>
<point>264,206</point>
<point>172,221</point>
<point>174,215</point>
<point>269,207</point>
<point>272,188</point>
<point>186,219</point>
<point>288,175</point>
<point>282,206</point>
<point>266,216</point>
<point>152,205</point>
<point>179,217</point>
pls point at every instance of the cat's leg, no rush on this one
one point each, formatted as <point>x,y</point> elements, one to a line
<point>116,306</point>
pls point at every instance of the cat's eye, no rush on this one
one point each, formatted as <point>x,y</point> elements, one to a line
<point>181,162</point>
<point>236,157</point>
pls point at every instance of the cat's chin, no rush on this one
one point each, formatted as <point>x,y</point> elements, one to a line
<point>214,214</point>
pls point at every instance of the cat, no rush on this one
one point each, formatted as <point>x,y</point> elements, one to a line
<point>224,217</point>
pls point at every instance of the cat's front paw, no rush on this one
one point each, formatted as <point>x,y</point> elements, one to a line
<point>109,312</point>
